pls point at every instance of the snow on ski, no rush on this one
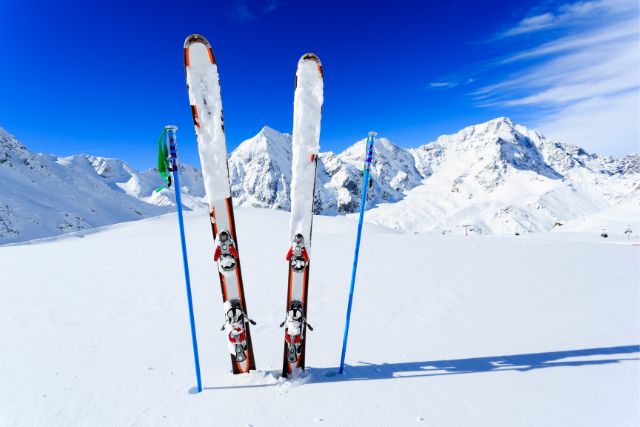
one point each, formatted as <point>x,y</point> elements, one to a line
<point>307,113</point>
<point>203,85</point>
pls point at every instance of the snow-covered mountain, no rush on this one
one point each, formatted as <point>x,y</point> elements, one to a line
<point>500,177</point>
<point>44,195</point>
<point>260,169</point>
<point>497,177</point>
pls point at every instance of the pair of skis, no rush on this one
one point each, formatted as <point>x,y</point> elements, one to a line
<point>203,85</point>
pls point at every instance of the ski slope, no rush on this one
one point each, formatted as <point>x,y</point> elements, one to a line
<point>616,219</point>
<point>446,330</point>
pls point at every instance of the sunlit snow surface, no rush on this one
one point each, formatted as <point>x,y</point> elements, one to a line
<point>446,330</point>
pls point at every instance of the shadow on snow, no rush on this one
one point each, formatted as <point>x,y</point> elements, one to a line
<point>516,362</point>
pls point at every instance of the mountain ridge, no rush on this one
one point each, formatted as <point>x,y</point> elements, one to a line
<point>499,176</point>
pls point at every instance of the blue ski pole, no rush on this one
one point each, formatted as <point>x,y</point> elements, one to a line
<point>171,139</point>
<point>365,185</point>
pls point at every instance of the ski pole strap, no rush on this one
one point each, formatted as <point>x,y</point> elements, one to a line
<point>163,161</point>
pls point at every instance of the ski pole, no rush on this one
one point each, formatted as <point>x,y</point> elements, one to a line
<point>367,167</point>
<point>173,153</point>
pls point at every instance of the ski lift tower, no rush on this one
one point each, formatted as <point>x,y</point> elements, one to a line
<point>466,229</point>
<point>628,232</point>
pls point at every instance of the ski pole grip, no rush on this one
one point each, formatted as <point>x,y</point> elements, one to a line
<point>173,145</point>
<point>370,140</point>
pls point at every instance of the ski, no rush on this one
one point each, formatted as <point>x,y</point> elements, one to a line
<point>307,111</point>
<point>203,85</point>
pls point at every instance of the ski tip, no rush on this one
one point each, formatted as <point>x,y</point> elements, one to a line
<point>310,56</point>
<point>193,39</point>
<point>196,38</point>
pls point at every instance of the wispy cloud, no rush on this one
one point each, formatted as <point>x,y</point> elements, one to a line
<point>272,5</point>
<point>449,84</point>
<point>607,124</point>
<point>251,10</point>
<point>240,12</point>
<point>443,85</point>
<point>532,23</point>
<point>564,14</point>
<point>586,77</point>
<point>584,39</point>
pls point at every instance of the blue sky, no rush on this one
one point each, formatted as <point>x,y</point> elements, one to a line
<point>104,77</point>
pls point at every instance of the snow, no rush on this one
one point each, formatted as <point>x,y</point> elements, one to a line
<point>42,194</point>
<point>498,176</point>
<point>446,330</point>
<point>260,170</point>
<point>204,92</point>
<point>307,106</point>
<point>503,178</point>
<point>615,219</point>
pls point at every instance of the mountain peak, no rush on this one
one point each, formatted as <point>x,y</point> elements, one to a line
<point>501,120</point>
<point>260,169</point>
<point>271,133</point>
<point>267,141</point>
<point>499,127</point>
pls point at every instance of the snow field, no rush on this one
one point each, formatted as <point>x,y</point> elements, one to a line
<point>446,330</point>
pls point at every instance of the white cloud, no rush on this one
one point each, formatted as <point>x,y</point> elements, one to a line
<point>596,71</point>
<point>533,23</point>
<point>443,84</point>
<point>584,87</point>
<point>449,84</point>
<point>627,28</point>
<point>565,13</point>
<point>602,124</point>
